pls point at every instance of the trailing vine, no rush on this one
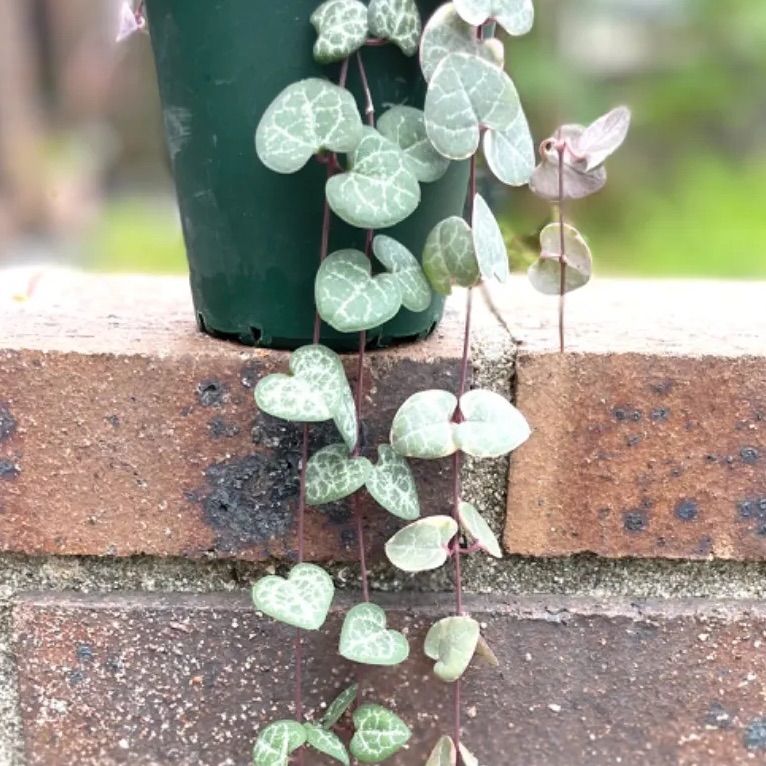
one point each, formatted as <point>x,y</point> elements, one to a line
<point>471,104</point>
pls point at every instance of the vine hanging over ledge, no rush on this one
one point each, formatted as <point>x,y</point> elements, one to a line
<point>375,169</point>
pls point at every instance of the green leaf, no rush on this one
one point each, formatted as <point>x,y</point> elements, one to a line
<point>423,425</point>
<point>379,190</point>
<point>516,17</point>
<point>449,256</point>
<point>344,415</point>
<point>326,742</point>
<point>302,600</point>
<point>415,290</point>
<point>469,759</point>
<point>379,734</point>
<point>492,426</point>
<point>341,27</point>
<point>488,242</point>
<point>364,638</point>
<point>510,153</point>
<point>349,298</point>
<point>447,33</point>
<point>467,92</point>
<point>452,643</point>
<point>477,529</point>
<point>392,484</point>
<point>545,273</point>
<point>339,706</point>
<point>397,21</point>
<point>307,117</point>
<point>422,545</point>
<point>443,754</point>
<point>312,393</point>
<point>276,742</point>
<point>406,127</point>
<point>332,475</point>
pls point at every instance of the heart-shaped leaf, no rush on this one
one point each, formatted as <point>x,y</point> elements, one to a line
<point>397,21</point>
<point>345,416</point>
<point>364,638</point>
<point>301,600</point>
<point>392,484</point>
<point>477,529</point>
<point>307,117</point>
<point>276,742</point>
<point>467,92</point>
<point>341,27</point>
<point>423,425</point>
<point>447,33</point>
<point>332,475</point>
<point>444,753</point>
<point>578,182</point>
<point>349,298</point>
<point>422,545</point>
<point>406,127</point>
<point>468,758</point>
<point>603,137</point>
<point>449,256</point>
<point>491,425</point>
<point>545,273</point>
<point>510,153</point>
<point>379,734</point>
<point>326,742</point>
<point>452,643</point>
<point>516,17</point>
<point>339,706</point>
<point>402,264</point>
<point>379,190</point>
<point>488,242</point>
<point>316,391</point>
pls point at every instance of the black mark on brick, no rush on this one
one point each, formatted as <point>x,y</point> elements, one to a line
<point>210,393</point>
<point>686,510</point>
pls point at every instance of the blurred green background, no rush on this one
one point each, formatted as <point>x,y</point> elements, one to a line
<point>84,176</point>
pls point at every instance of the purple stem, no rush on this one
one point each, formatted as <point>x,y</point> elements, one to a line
<point>370,114</point>
<point>323,251</point>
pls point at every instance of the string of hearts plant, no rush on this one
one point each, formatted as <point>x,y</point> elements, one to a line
<point>471,103</point>
<point>469,98</point>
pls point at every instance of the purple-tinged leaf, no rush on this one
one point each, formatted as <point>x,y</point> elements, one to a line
<point>603,137</point>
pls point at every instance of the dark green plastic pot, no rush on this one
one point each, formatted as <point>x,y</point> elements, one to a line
<point>253,236</point>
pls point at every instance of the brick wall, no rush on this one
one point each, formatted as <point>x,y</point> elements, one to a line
<point>141,492</point>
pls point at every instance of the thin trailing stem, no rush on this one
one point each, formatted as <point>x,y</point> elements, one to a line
<point>324,248</point>
<point>357,507</point>
<point>561,148</point>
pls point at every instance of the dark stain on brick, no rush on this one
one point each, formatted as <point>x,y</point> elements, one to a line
<point>348,538</point>
<point>755,735</point>
<point>75,677</point>
<point>686,510</point>
<point>660,413</point>
<point>249,499</point>
<point>749,455</point>
<point>7,423</point>
<point>623,414</point>
<point>249,374</point>
<point>705,545</point>
<point>633,440</point>
<point>211,393</point>
<point>635,521</point>
<point>220,429</point>
<point>113,421</point>
<point>717,717</point>
<point>84,653</point>
<point>662,387</point>
<point>337,513</point>
<point>8,469</point>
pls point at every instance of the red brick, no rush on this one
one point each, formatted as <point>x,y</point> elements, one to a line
<point>650,431</point>
<point>172,680</point>
<point>124,431</point>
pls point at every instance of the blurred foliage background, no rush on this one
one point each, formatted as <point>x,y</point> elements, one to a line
<point>84,175</point>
